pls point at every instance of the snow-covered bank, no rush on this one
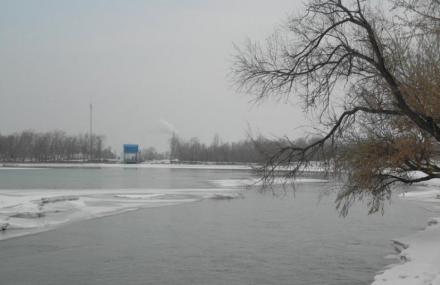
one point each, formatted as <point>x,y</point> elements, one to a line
<point>313,167</point>
<point>420,252</point>
<point>10,166</point>
<point>27,211</point>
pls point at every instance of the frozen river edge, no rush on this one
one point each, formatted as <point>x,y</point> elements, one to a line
<point>419,253</point>
<point>37,210</point>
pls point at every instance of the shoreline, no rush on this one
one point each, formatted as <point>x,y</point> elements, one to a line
<point>122,165</point>
<point>315,167</point>
<point>419,253</point>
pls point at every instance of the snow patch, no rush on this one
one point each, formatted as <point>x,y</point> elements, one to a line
<point>22,166</point>
<point>27,211</point>
<point>419,253</point>
<point>312,167</point>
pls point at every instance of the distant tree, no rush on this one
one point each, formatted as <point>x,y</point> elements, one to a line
<point>98,141</point>
<point>152,154</point>
<point>372,75</point>
<point>245,151</point>
<point>51,146</point>
<point>174,147</point>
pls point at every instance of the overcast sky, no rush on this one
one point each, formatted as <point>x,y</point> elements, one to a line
<point>147,66</point>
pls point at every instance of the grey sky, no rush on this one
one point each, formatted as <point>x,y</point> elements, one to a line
<point>147,67</point>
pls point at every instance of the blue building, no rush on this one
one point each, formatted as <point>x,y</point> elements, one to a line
<point>131,153</point>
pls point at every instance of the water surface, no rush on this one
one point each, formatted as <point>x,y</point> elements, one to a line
<point>259,239</point>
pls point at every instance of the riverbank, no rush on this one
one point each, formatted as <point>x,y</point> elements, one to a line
<point>131,166</point>
<point>312,167</point>
<point>419,253</point>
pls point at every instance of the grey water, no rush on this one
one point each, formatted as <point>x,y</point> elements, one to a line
<point>260,239</point>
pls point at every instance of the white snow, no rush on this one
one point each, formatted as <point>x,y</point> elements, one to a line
<point>313,167</point>
<point>24,211</point>
<point>420,252</point>
<point>19,168</point>
<point>120,165</point>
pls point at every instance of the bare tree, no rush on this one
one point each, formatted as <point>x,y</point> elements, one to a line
<point>371,74</point>
<point>51,146</point>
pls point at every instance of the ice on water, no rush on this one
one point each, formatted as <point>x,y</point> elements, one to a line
<point>29,211</point>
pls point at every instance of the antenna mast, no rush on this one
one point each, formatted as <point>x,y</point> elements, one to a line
<point>91,133</point>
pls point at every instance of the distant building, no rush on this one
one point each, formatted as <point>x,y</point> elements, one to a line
<point>131,153</point>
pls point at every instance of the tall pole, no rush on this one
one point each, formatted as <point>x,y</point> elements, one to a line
<point>91,133</point>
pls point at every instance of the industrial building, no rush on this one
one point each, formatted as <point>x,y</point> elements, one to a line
<point>131,153</point>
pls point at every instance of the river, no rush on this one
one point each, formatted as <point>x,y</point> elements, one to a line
<point>254,238</point>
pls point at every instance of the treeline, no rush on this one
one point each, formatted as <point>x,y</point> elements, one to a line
<point>217,151</point>
<point>245,151</point>
<point>152,154</point>
<point>54,146</point>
